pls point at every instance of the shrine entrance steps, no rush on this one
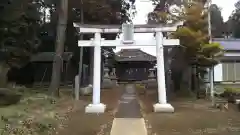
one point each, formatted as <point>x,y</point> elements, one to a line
<point>128,119</point>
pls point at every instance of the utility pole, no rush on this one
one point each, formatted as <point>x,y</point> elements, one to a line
<point>209,21</point>
<point>211,75</point>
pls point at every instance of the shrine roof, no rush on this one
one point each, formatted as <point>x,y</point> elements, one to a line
<point>230,44</point>
<point>125,55</point>
<point>230,59</point>
<point>49,56</point>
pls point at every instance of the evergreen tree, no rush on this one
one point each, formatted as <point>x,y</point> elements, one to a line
<point>194,35</point>
<point>218,26</point>
<point>234,22</point>
<point>196,51</point>
<point>94,12</point>
<point>19,24</point>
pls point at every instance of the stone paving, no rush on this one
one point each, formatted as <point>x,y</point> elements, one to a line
<point>128,119</point>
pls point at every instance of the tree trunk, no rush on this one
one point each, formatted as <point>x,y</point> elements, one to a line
<point>186,79</point>
<point>3,75</point>
<point>60,40</point>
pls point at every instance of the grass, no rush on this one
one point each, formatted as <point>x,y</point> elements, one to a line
<point>36,113</point>
<point>232,90</point>
<point>140,86</point>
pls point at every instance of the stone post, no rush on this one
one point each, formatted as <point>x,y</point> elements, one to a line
<point>107,83</point>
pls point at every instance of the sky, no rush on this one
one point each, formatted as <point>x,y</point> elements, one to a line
<point>143,7</point>
<point>227,7</point>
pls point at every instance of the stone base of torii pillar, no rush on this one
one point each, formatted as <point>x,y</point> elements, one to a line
<point>168,108</point>
<point>95,108</point>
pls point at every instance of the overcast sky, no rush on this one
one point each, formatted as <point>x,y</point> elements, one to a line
<point>144,7</point>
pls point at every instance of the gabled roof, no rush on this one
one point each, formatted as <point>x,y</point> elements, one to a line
<point>230,58</point>
<point>49,56</point>
<point>133,55</point>
<point>229,44</point>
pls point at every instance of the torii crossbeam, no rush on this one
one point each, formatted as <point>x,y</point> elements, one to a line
<point>97,42</point>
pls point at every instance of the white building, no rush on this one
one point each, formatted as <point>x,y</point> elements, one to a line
<point>228,70</point>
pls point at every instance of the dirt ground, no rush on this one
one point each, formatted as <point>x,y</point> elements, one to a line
<point>191,117</point>
<point>80,123</point>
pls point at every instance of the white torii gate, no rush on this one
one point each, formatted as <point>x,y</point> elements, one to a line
<point>128,31</point>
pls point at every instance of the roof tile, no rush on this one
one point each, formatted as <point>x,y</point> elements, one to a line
<point>229,44</point>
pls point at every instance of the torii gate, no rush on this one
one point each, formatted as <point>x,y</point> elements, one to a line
<point>128,30</point>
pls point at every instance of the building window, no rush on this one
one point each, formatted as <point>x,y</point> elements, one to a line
<point>237,68</point>
<point>230,71</point>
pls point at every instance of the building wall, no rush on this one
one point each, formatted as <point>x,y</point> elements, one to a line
<point>218,72</point>
<point>133,71</point>
<point>227,71</point>
<point>43,72</point>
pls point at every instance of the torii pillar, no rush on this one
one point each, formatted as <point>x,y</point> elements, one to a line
<point>128,31</point>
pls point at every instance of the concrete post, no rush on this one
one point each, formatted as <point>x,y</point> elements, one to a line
<point>162,105</point>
